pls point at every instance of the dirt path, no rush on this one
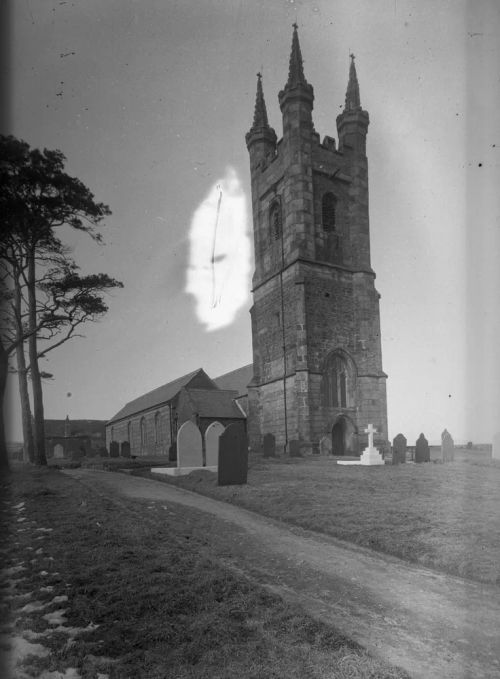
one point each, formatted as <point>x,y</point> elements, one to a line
<point>431,624</point>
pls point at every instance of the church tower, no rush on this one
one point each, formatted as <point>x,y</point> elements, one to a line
<point>315,318</point>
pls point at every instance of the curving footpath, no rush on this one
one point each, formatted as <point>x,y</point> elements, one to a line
<point>431,624</point>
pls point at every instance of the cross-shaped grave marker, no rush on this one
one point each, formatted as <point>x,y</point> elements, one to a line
<point>370,430</point>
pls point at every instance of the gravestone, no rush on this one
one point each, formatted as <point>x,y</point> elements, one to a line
<point>189,448</point>
<point>269,445</point>
<point>125,449</point>
<point>58,451</point>
<point>294,448</point>
<point>114,449</point>
<point>325,446</point>
<point>422,451</point>
<point>447,447</point>
<point>399,449</point>
<point>212,435</point>
<point>233,456</point>
<point>495,450</point>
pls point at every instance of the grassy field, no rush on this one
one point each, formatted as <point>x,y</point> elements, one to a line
<point>442,516</point>
<point>142,600</point>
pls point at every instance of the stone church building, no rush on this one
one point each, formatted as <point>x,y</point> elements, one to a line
<point>317,360</point>
<point>315,319</point>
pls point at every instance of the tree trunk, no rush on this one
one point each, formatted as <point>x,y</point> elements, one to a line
<point>28,448</point>
<point>4,361</point>
<point>36,381</point>
<point>22,373</point>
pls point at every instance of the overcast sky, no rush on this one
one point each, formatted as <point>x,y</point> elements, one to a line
<point>150,101</point>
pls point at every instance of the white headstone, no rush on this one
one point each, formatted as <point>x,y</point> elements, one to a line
<point>58,450</point>
<point>212,434</point>
<point>189,450</point>
<point>495,451</point>
<point>325,446</point>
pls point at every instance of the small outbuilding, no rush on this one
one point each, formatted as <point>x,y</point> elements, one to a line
<point>150,423</point>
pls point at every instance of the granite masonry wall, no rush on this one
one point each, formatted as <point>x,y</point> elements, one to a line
<point>313,286</point>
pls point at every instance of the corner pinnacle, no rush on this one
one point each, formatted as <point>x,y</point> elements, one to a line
<point>352,98</point>
<point>296,66</point>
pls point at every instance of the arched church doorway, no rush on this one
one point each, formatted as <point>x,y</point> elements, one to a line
<point>343,437</point>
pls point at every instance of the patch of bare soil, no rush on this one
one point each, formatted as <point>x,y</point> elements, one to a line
<point>431,624</point>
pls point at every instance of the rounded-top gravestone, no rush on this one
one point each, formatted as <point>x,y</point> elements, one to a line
<point>125,449</point>
<point>325,446</point>
<point>422,451</point>
<point>447,446</point>
<point>189,446</point>
<point>58,451</point>
<point>399,449</point>
<point>114,449</point>
<point>214,430</point>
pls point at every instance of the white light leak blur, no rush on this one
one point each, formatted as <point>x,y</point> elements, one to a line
<point>219,257</point>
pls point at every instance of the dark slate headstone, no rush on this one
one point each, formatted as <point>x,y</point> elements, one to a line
<point>422,452</point>
<point>125,449</point>
<point>269,445</point>
<point>114,449</point>
<point>233,456</point>
<point>294,448</point>
<point>399,449</point>
<point>172,452</point>
<point>447,447</point>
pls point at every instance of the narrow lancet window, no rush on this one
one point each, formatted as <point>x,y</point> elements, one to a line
<point>157,428</point>
<point>275,220</point>
<point>337,388</point>
<point>143,432</point>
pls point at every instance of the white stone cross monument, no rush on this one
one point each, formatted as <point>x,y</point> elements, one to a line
<point>370,455</point>
<point>370,430</point>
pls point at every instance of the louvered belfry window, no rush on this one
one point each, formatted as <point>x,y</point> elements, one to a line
<point>329,212</point>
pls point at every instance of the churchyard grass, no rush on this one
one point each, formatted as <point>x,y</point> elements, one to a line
<point>445,516</point>
<point>157,605</point>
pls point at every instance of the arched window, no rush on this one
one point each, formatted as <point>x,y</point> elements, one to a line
<point>338,378</point>
<point>157,428</point>
<point>275,220</point>
<point>329,210</point>
<point>112,433</point>
<point>143,432</point>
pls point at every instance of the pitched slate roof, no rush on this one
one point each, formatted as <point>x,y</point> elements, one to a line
<point>214,403</point>
<point>236,380</point>
<point>158,396</point>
